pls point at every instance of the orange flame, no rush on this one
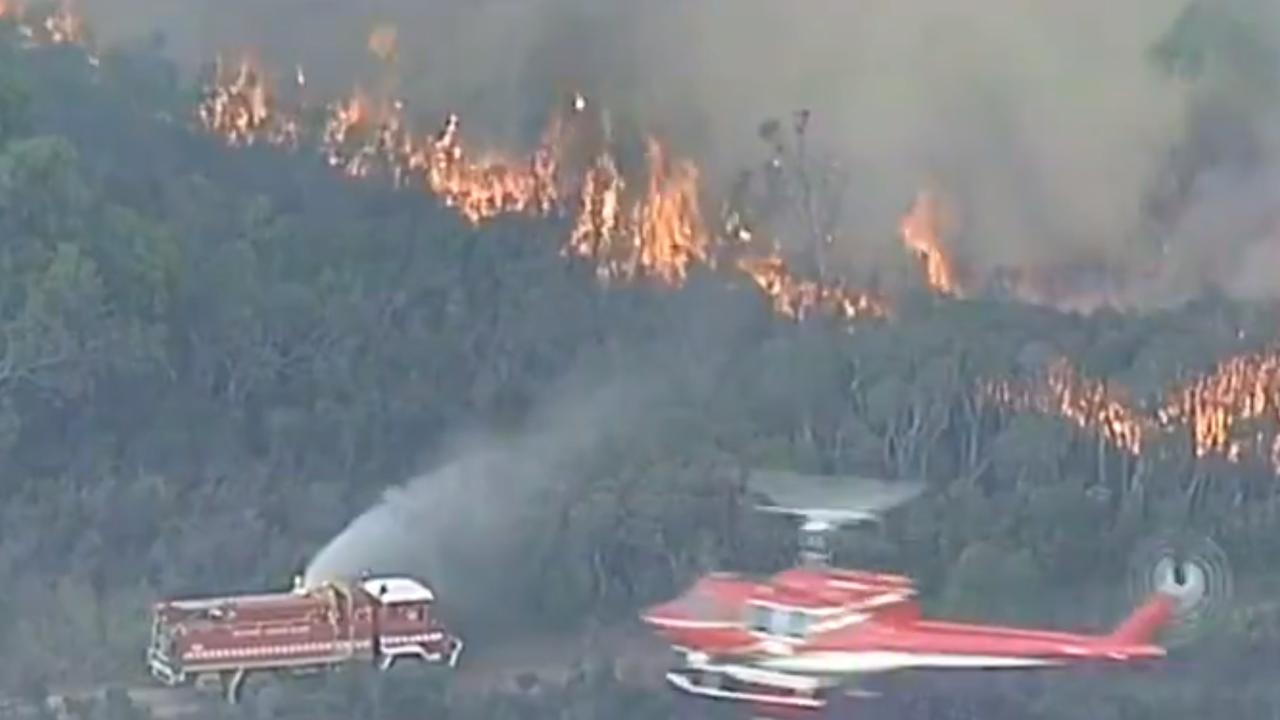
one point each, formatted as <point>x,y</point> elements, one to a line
<point>921,230</point>
<point>662,236</point>
<point>658,233</point>
<point>65,27</point>
<point>1088,404</point>
<point>796,298</point>
<point>62,26</point>
<point>1219,411</point>
<point>239,107</point>
<point>1241,389</point>
<point>483,189</point>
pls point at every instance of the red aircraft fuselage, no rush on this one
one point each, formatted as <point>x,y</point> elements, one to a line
<point>787,640</point>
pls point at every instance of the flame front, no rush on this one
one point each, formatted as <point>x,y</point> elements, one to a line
<point>1086,403</point>
<point>795,297</point>
<point>1232,412</point>
<point>657,231</point>
<point>1216,407</point>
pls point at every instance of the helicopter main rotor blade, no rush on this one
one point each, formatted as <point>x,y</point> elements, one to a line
<point>835,499</point>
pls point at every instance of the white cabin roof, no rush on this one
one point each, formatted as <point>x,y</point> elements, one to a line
<point>398,590</point>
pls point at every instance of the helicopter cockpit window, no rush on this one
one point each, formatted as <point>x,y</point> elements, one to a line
<point>799,624</point>
<point>758,618</point>
<point>794,623</point>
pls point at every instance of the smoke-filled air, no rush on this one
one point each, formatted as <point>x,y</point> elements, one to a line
<point>1045,129</point>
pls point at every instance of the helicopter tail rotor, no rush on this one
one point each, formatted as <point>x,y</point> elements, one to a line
<point>1194,572</point>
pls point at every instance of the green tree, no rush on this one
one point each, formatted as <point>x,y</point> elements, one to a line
<point>14,98</point>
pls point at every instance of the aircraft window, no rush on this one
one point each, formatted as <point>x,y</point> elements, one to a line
<point>799,624</point>
<point>758,618</point>
<point>778,622</point>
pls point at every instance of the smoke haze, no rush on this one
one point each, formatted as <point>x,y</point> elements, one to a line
<point>1046,121</point>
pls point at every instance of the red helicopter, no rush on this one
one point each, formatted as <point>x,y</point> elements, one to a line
<point>794,639</point>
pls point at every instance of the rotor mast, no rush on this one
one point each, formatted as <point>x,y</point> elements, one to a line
<point>815,550</point>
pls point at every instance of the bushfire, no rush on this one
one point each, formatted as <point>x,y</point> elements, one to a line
<point>1232,412</point>
<point>656,229</point>
<point>58,24</point>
